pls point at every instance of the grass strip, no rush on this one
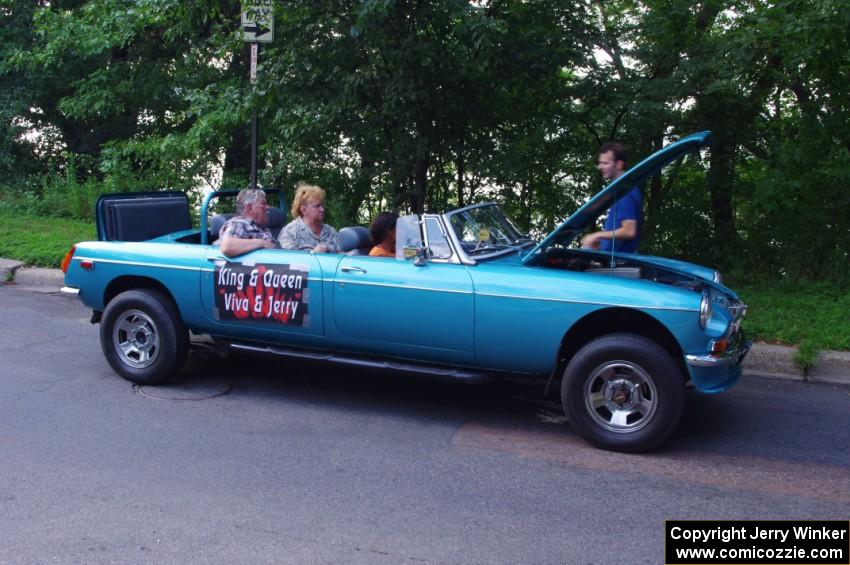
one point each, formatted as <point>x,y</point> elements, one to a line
<point>41,241</point>
<point>811,316</point>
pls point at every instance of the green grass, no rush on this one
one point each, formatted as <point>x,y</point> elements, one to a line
<point>41,241</point>
<point>812,316</point>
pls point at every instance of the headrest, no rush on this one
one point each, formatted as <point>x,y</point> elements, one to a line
<point>354,237</point>
<point>277,218</point>
<point>217,222</point>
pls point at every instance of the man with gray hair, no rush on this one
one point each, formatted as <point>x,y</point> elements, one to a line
<point>246,231</point>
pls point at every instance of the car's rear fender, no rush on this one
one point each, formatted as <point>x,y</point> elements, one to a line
<point>124,283</point>
<point>132,282</point>
<point>102,270</point>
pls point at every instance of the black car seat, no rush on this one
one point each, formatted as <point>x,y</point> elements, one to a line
<point>355,240</point>
<point>275,222</point>
<point>216,223</point>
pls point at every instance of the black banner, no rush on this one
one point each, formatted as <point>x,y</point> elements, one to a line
<point>263,292</point>
<point>761,542</point>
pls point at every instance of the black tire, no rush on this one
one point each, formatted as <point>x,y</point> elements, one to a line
<point>623,392</point>
<point>142,336</point>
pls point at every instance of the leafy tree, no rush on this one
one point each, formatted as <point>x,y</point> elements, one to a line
<point>417,105</point>
<point>415,99</point>
<point>19,157</point>
<point>117,78</point>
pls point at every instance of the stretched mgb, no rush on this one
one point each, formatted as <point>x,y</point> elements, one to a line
<point>468,297</point>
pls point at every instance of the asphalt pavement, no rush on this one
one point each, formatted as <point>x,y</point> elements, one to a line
<point>247,460</point>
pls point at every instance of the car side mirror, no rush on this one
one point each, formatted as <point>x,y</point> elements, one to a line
<point>418,254</point>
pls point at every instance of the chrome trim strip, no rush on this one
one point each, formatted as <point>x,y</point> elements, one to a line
<point>160,266</point>
<point>363,283</point>
<point>139,264</point>
<point>334,281</point>
<point>444,372</point>
<point>70,290</point>
<point>455,257</point>
<point>452,236</point>
<point>635,306</point>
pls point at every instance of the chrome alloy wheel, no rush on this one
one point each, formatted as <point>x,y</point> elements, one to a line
<point>136,339</point>
<point>620,396</point>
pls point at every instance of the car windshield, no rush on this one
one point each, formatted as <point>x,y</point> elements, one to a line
<point>485,229</point>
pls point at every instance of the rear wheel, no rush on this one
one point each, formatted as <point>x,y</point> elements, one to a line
<point>142,336</point>
<point>623,392</point>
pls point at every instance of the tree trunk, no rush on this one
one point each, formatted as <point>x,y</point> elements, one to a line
<point>362,188</point>
<point>720,186</point>
<point>420,177</point>
<point>420,183</point>
<point>237,156</point>
<point>460,164</point>
<point>654,196</point>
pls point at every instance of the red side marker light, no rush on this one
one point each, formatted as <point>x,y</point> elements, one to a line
<point>87,265</point>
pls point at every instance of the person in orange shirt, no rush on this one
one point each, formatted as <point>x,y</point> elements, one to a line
<point>382,231</point>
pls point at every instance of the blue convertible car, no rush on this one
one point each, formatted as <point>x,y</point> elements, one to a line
<point>468,297</point>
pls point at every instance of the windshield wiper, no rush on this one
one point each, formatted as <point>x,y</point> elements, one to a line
<point>523,240</point>
<point>489,247</point>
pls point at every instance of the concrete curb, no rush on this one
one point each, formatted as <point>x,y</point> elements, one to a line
<point>775,361</point>
<point>38,279</point>
<point>765,360</point>
<point>831,367</point>
<point>8,268</point>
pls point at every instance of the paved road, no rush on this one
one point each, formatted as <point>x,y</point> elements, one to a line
<point>294,463</point>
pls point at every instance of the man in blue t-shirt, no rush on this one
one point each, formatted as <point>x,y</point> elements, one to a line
<point>623,225</point>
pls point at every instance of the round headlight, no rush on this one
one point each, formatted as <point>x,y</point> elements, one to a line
<point>704,311</point>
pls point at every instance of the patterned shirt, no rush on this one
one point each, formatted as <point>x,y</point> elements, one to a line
<point>297,235</point>
<point>243,228</point>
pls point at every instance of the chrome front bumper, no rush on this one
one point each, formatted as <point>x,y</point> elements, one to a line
<point>733,356</point>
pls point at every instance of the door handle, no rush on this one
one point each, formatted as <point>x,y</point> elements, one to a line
<point>353,270</point>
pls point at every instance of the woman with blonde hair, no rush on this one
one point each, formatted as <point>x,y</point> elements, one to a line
<point>308,231</point>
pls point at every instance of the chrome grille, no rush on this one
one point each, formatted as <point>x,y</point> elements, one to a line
<point>737,309</point>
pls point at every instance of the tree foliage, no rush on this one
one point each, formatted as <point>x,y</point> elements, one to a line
<point>418,105</point>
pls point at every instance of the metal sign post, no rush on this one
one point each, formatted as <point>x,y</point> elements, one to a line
<point>255,126</point>
<point>255,53</point>
<point>257,27</point>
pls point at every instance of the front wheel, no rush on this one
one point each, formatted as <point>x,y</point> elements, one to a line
<point>142,336</point>
<point>623,392</point>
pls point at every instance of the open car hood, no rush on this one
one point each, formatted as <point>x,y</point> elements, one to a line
<point>599,204</point>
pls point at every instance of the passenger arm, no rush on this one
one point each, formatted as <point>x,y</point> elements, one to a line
<point>233,246</point>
